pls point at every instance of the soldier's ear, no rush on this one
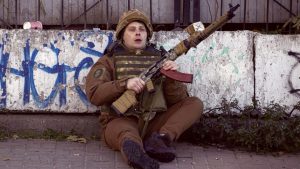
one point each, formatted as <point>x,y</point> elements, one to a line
<point>121,34</point>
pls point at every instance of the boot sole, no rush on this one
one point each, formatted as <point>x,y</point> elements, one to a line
<point>137,158</point>
<point>162,157</point>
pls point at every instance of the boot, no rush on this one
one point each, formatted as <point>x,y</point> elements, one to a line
<point>159,147</point>
<point>137,158</point>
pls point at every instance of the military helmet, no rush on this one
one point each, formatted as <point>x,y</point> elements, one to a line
<point>130,16</point>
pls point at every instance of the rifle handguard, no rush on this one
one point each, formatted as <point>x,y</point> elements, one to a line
<point>124,102</point>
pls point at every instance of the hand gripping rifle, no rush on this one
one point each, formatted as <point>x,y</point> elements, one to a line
<point>128,98</point>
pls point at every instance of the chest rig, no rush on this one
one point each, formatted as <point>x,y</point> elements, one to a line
<point>129,64</point>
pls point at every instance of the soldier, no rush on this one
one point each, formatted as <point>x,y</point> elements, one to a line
<point>170,110</point>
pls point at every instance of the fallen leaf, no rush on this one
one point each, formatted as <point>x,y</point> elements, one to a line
<point>75,138</point>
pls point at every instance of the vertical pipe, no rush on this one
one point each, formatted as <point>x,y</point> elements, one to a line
<point>291,9</point>
<point>1,26</point>
<point>196,11</point>
<point>107,20</point>
<point>39,10</point>
<point>16,14</point>
<point>128,4</point>
<point>151,11</point>
<point>267,24</point>
<point>186,12</point>
<point>245,9</point>
<point>62,14</point>
<point>84,14</point>
<point>297,7</point>
<point>8,13</point>
<point>221,13</point>
<point>176,13</point>
<point>181,12</point>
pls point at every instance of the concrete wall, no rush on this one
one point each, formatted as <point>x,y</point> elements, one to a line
<point>45,70</point>
<point>277,73</point>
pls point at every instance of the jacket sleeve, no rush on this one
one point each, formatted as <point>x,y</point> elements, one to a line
<point>174,91</point>
<point>101,87</point>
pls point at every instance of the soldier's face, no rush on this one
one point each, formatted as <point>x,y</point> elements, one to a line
<point>135,35</point>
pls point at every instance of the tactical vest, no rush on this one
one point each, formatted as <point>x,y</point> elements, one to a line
<point>129,64</point>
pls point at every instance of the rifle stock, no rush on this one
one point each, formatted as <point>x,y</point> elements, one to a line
<point>128,98</point>
<point>123,103</point>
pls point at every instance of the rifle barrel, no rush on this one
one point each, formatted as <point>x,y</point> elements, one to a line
<point>198,37</point>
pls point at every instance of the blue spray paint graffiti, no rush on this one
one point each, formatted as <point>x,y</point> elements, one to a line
<point>3,66</point>
<point>61,69</point>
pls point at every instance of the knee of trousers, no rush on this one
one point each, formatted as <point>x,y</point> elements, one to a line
<point>196,105</point>
<point>116,142</point>
<point>118,130</point>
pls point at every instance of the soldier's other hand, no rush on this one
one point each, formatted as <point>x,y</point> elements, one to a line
<point>170,65</point>
<point>136,84</point>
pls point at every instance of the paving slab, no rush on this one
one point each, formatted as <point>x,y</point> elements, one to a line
<point>49,154</point>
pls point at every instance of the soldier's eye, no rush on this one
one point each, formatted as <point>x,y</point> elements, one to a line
<point>143,29</point>
<point>131,29</point>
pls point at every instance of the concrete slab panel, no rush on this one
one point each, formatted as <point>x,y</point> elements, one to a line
<point>277,73</point>
<point>222,66</point>
<point>45,70</point>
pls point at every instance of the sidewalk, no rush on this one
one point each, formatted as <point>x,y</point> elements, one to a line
<point>47,154</point>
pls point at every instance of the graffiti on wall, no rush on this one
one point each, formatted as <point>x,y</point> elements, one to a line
<point>293,77</point>
<point>217,67</point>
<point>30,65</point>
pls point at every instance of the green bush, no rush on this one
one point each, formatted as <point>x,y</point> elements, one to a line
<point>262,130</point>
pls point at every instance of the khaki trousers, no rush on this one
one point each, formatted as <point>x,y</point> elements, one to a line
<point>173,122</point>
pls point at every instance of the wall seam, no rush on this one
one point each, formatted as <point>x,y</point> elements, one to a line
<point>254,70</point>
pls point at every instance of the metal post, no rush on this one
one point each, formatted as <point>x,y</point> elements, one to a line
<point>151,11</point>
<point>85,14</point>
<point>181,12</point>
<point>107,20</point>
<point>39,10</point>
<point>16,14</point>
<point>297,8</point>
<point>128,4</point>
<point>186,12</point>
<point>176,13</point>
<point>62,14</point>
<point>221,13</point>
<point>245,9</point>
<point>267,24</point>
<point>196,11</point>
<point>291,9</point>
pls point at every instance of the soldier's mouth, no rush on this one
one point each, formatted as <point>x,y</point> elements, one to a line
<point>138,40</point>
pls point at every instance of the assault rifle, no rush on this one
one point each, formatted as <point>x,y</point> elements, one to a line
<point>128,98</point>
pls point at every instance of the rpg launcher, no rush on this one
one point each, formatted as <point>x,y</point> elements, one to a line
<point>128,98</point>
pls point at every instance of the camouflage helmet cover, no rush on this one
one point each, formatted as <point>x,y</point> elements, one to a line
<point>130,16</point>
